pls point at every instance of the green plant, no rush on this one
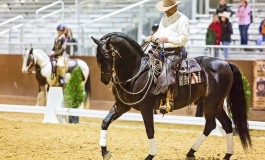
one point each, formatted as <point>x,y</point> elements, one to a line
<point>74,92</point>
<point>247,90</point>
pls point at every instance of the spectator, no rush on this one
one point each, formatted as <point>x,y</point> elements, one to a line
<point>244,14</point>
<point>154,28</point>
<point>224,8</point>
<point>227,31</point>
<point>72,48</point>
<point>261,37</point>
<point>213,36</point>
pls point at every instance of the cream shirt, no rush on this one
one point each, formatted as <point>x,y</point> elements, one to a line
<point>175,28</point>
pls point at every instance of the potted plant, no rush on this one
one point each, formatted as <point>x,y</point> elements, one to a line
<point>74,93</point>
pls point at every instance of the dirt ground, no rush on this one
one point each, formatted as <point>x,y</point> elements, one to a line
<point>25,137</point>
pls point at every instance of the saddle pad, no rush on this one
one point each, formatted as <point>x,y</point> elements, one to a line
<point>192,64</point>
<point>195,78</point>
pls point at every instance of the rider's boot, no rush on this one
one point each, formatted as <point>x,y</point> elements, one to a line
<point>61,81</point>
<point>166,105</point>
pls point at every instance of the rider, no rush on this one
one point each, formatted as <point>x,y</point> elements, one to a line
<point>173,32</point>
<point>59,55</point>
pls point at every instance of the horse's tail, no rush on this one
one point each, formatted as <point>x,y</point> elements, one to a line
<point>238,107</point>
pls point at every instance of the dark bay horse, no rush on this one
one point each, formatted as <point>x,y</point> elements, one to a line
<point>120,60</point>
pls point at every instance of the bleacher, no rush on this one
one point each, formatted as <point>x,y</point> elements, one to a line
<point>199,27</point>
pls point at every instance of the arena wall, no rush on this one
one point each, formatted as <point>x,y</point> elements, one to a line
<point>14,83</point>
<point>24,87</point>
<point>19,88</point>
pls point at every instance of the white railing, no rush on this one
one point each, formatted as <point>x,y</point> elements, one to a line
<point>235,51</point>
<point>140,25</point>
<point>20,25</point>
<point>168,119</point>
<point>52,13</point>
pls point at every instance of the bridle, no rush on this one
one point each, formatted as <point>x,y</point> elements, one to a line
<point>114,53</point>
<point>30,62</point>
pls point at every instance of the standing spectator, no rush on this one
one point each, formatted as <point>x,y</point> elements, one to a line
<point>227,31</point>
<point>244,14</point>
<point>261,37</point>
<point>213,36</point>
<point>72,48</point>
<point>224,8</point>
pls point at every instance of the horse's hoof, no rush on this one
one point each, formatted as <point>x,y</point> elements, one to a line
<point>107,156</point>
<point>149,157</point>
<point>190,158</point>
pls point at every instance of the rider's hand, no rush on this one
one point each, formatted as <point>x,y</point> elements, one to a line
<point>163,39</point>
<point>149,39</point>
<point>51,53</point>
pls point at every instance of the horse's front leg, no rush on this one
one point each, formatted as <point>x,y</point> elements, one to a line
<point>147,113</point>
<point>41,99</point>
<point>116,111</point>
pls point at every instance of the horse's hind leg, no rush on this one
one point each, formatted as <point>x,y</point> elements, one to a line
<point>209,126</point>
<point>227,126</point>
<point>116,111</point>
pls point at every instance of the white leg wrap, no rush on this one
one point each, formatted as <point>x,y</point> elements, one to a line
<point>103,138</point>
<point>198,142</point>
<point>230,143</point>
<point>152,147</point>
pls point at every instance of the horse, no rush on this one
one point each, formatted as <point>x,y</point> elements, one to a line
<point>38,62</point>
<point>121,59</point>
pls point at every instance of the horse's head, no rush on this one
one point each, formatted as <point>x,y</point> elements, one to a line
<point>28,61</point>
<point>105,59</point>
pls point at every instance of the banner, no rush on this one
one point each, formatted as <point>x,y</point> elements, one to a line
<point>259,84</point>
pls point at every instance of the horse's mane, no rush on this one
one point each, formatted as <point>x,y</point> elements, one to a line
<point>126,37</point>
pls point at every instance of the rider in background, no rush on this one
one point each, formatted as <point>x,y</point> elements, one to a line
<point>173,32</point>
<point>59,55</point>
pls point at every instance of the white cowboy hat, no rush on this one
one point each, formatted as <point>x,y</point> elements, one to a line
<point>224,14</point>
<point>165,5</point>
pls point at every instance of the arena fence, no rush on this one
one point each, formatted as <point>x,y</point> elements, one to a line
<point>127,116</point>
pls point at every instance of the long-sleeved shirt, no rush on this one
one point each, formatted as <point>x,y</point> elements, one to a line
<point>175,28</point>
<point>243,13</point>
<point>60,46</point>
<point>217,28</point>
<point>262,27</point>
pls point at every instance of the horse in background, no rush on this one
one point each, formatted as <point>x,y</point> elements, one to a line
<point>123,62</point>
<point>38,62</point>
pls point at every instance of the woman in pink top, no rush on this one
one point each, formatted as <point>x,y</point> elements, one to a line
<point>244,13</point>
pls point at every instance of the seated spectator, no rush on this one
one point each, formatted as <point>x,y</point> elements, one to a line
<point>213,35</point>
<point>227,31</point>
<point>224,8</point>
<point>261,37</point>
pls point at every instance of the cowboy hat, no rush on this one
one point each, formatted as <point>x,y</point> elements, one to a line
<point>224,14</point>
<point>165,5</point>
